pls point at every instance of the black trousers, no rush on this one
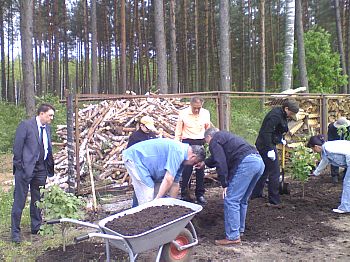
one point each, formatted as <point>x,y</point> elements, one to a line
<point>19,199</point>
<point>187,172</point>
<point>272,172</point>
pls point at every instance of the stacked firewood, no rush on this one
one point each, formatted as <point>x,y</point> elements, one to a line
<point>104,130</point>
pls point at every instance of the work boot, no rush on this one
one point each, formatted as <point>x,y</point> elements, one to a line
<point>335,179</point>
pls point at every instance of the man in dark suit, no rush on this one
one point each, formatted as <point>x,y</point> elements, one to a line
<point>32,163</point>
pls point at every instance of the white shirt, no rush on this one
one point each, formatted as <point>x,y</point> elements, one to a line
<point>45,139</point>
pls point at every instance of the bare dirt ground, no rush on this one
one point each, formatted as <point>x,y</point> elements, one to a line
<point>304,230</point>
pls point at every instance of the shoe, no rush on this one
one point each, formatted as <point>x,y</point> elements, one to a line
<point>35,232</point>
<point>278,206</point>
<point>339,211</point>
<point>201,200</point>
<point>227,242</point>
<point>16,240</point>
<point>335,179</point>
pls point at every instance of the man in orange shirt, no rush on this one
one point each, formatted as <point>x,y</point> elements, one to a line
<point>190,128</point>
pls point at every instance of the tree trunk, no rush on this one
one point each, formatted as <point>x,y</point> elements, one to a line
<point>3,66</point>
<point>301,48</point>
<point>206,47</point>
<point>196,79</point>
<point>262,47</point>
<point>225,61</point>
<point>123,48</point>
<point>340,42</point>
<point>288,46</point>
<point>94,79</point>
<point>26,21</point>
<point>86,79</point>
<point>174,79</point>
<point>160,47</point>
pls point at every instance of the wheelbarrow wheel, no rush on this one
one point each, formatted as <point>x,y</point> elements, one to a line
<point>170,252</point>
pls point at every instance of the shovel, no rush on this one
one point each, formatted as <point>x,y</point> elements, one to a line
<point>283,187</point>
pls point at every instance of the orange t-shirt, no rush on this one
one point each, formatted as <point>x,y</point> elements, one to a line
<point>192,126</point>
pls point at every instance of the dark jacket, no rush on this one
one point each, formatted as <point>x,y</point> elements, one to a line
<point>139,136</point>
<point>227,151</point>
<point>272,129</point>
<point>26,149</point>
<point>333,133</point>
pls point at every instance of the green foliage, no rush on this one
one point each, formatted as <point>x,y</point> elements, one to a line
<point>6,201</point>
<point>344,132</point>
<point>57,204</point>
<point>303,161</point>
<point>10,116</point>
<point>323,67</point>
<point>246,118</point>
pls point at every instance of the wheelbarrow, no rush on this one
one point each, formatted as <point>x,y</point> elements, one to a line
<point>173,240</point>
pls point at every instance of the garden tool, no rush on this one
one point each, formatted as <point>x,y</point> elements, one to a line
<point>283,187</point>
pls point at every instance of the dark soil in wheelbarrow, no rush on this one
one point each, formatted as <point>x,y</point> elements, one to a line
<point>304,229</point>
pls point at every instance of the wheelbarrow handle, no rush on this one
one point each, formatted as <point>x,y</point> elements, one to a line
<point>81,238</point>
<point>101,235</point>
<point>74,221</point>
<point>54,221</point>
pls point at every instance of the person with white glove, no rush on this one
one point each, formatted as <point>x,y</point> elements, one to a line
<point>274,126</point>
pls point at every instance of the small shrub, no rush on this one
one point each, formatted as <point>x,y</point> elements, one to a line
<point>303,162</point>
<point>57,204</point>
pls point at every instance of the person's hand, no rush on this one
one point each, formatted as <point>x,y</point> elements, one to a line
<point>283,141</point>
<point>199,165</point>
<point>224,192</point>
<point>272,155</point>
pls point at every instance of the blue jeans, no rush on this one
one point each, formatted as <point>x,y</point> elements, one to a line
<point>345,197</point>
<point>238,192</point>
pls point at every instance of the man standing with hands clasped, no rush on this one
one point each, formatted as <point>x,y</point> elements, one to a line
<point>274,126</point>
<point>32,163</point>
<point>190,128</point>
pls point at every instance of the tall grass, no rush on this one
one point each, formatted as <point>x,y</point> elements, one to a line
<point>246,117</point>
<point>10,116</point>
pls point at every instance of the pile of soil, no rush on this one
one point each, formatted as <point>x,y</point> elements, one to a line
<point>147,219</point>
<point>304,229</point>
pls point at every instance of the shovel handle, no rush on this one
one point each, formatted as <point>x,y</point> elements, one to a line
<point>54,221</point>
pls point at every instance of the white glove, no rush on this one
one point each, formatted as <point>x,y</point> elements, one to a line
<point>284,142</point>
<point>272,155</point>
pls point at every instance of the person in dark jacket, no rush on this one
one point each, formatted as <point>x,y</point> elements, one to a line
<point>333,134</point>
<point>32,164</point>
<point>146,131</point>
<point>239,167</point>
<point>273,127</point>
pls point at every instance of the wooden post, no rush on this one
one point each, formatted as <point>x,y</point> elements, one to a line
<point>70,141</point>
<point>77,145</point>
<point>324,115</point>
<point>224,112</point>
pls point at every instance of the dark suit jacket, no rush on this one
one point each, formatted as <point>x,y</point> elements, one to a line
<point>26,149</point>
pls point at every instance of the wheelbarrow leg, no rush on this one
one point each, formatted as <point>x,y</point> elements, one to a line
<point>108,255</point>
<point>159,253</point>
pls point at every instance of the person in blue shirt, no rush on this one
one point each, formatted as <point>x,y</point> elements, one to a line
<point>336,153</point>
<point>155,166</point>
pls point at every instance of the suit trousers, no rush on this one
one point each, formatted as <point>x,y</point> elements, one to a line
<point>20,195</point>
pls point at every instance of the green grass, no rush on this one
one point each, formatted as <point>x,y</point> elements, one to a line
<point>31,246</point>
<point>246,117</point>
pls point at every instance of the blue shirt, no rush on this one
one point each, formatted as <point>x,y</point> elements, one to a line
<point>336,153</point>
<point>152,158</point>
